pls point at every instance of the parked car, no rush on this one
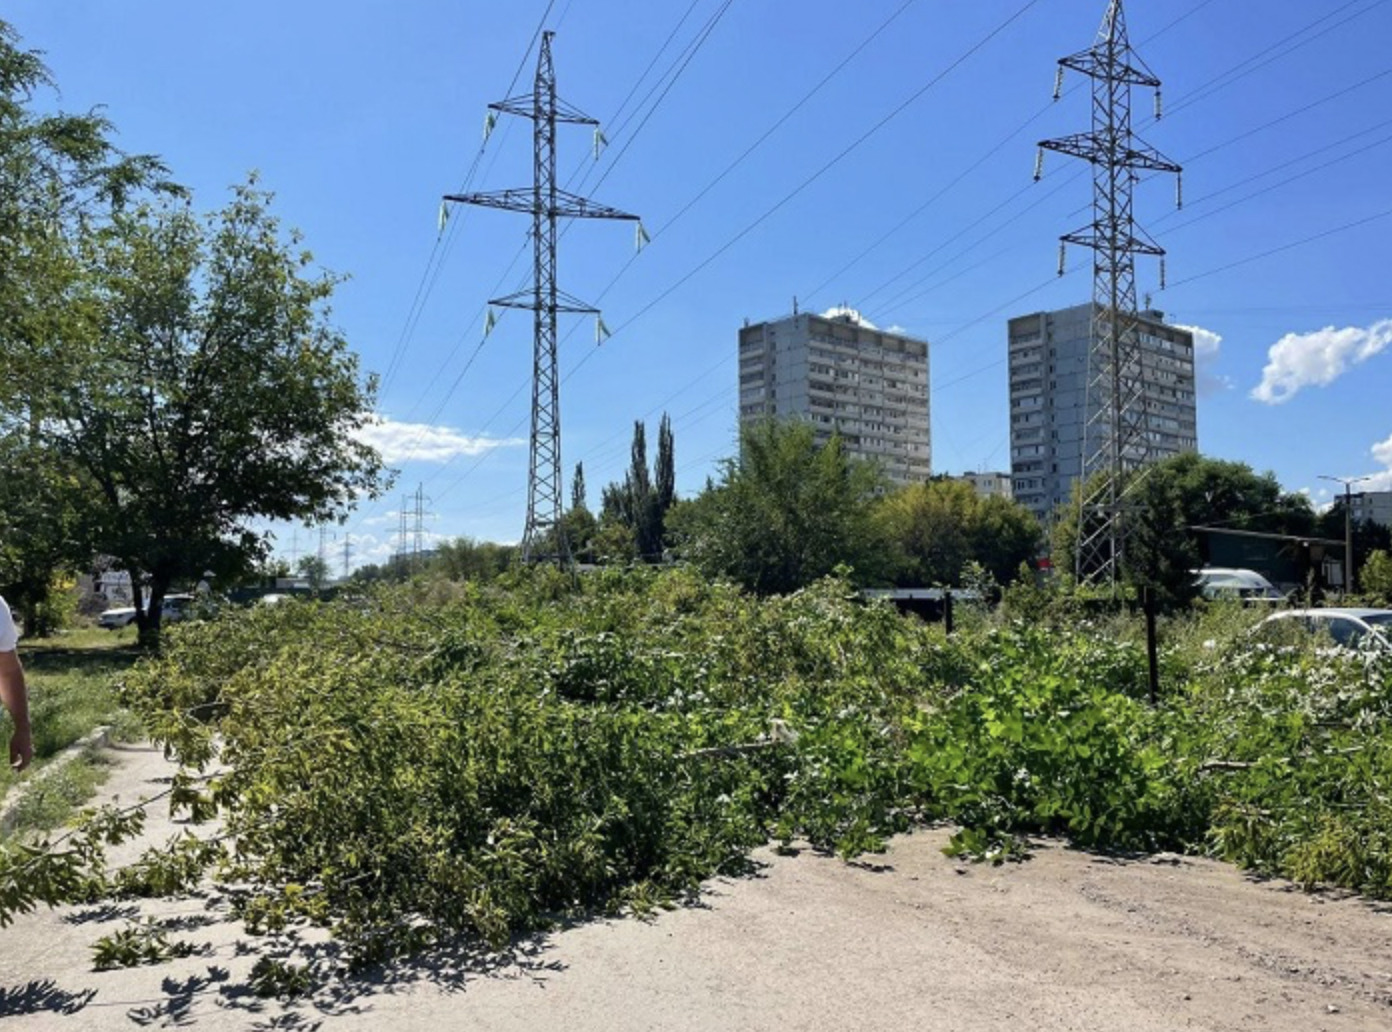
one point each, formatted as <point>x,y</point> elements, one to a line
<point>1351,628</point>
<point>113,619</point>
<point>174,609</point>
<point>1247,586</point>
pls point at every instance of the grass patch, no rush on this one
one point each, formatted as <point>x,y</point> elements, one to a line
<point>71,692</point>
<point>55,793</point>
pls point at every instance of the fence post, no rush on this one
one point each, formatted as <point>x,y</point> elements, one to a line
<point>1152,653</point>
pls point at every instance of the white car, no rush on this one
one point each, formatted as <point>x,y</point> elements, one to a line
<point>1351,628</point>
<point>174,609</point>
<point>1222,582</point>
<point>113,619</point>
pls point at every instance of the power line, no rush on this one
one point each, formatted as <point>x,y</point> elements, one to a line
<point>815,176</point>
<point>962,176</point>
<point>674,72</point>
<point>1283,248</point>
<point>1297,243</point>
<point>442,240</point>
<point>769,132</point>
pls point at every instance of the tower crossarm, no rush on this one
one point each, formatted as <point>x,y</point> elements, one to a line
<point>528,107</point>
<point>1098,64</point>
<point>1094,148</point>
<point>526,298</point>
<point>1130,243</point>
<point>566,205</point>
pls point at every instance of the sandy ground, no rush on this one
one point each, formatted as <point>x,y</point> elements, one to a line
<point>1067,940</point>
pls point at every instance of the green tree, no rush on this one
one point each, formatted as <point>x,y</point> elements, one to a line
<point>1166,501</point>
<point>785,512</point>
<point>1368,536</point>
<point>208,392</point>
<point>60,175</point>
<point>313,569</point>
<point>640,502</point>
<point>1376,575</point>
<point>665,467</point>
<point>935,529</point>
<point>577,488</point>
<point>467,559</point>
<point>40,502</point>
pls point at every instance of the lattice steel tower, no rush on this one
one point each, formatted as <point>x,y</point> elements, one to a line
<point>544,536</point>
<point>1115,440</point>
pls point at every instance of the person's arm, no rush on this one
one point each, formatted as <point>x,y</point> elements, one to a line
<point>15,696</point>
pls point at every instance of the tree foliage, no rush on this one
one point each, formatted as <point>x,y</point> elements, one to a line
<point>935,529</point>
<point>41,503</point>
<point>60,176</point>
<point>635,509</point>
<point>1165,501</point>
<point>785,512</point>
<point>208,390</point>
<point>466,559</point>
<point>1376,575</point>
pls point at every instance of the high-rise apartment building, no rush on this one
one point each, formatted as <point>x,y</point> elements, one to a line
<point>1371,505</point>
<point>842,374</point>
<point>1048,399</point>
<point>990,485</point>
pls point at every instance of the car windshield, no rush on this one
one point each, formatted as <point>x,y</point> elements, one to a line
<point>1379,619</point>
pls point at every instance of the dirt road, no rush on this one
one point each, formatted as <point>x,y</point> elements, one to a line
<point>1067,940</point>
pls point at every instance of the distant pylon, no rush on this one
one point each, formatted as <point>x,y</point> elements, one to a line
<point>544,536</point>
<point>1115,438</point>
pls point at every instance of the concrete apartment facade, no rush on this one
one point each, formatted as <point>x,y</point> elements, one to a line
<point>990,485</point>
<point>1372,505</point>
<point>842,374</point>
<point>1048,362</point>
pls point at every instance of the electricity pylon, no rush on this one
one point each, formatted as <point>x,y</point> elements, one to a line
<point>1115,439</point>
<point>544,536</point>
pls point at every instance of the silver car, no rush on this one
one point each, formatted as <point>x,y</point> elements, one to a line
<point>174,609</point>
<point>1351,628</point>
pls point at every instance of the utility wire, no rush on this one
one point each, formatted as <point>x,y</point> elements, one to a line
<point>1252,67</point>
<point>431,273</point>
<point>748,151</point>
<point>828,166</point>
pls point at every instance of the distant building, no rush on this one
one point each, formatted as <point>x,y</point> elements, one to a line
<point>114,586</point>
<point>990,485</point>
<point>844,375</point>
<point>1048,362</point>
<point>1372,505</point>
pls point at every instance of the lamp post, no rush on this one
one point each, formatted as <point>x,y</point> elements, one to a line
<point>1348,483</point>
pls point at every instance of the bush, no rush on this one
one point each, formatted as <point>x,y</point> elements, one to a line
<point>435,758</point>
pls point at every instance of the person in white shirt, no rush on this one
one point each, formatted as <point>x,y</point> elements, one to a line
<point>13,692</point>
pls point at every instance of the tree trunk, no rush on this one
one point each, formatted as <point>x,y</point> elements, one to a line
<point>147,617</point>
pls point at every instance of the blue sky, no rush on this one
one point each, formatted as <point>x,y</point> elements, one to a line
<point>902,186</point>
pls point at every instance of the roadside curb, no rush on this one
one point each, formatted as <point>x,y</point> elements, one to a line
<point>96,739</point>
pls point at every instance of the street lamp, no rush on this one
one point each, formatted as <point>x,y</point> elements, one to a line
<point>1348,482</point>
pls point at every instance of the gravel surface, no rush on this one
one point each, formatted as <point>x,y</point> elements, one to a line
<point>1067,940</point>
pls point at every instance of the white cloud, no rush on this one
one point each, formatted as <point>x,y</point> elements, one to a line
<point>422,442</point>
<point>1383,451</point>
<point>844,312</point>
<point>1382,480</point>
<point>1207,346</point>
<point>1300,360</point>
